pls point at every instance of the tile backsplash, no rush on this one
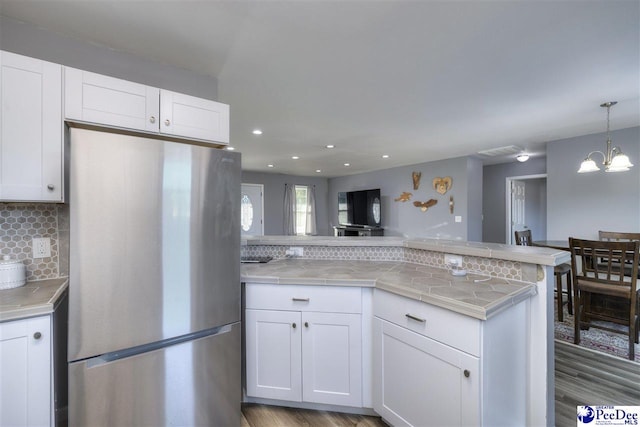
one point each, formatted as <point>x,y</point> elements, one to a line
<point>21,222</point>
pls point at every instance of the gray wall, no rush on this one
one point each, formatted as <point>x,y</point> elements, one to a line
<point>404,219</point>
<point>494,194</point>
<point>274,199</point>
<point>474,200</point>
<point>578,205</point>
<point>535,211</point>
<point>29,40</point>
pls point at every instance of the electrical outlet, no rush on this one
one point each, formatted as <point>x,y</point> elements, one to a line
<point>453,260</point>
<point>41,247</point>
<point>296,251</point>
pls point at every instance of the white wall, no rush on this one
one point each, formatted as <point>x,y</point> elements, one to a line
<point>27,39</point>
<point>578,205</point>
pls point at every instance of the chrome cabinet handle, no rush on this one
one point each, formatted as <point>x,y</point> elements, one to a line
<point>417,319</point>
<point>37,335</point>
<point>300,299</point>
<point>51,187</point>
<point>167,122</point>
<point>293,325</point>
<point>152,119</point>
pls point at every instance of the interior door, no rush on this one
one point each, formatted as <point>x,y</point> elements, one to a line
<point>252,211</point>
<point>517,208</point>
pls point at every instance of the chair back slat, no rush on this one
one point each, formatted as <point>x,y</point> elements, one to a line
<point>523,238</point>
<point>600,261</point>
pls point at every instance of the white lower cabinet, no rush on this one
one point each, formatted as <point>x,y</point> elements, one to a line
<point>434,367</point>
<point>25,372</point>
<point>299,355</point>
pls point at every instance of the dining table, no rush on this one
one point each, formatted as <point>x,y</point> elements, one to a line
<point>562,245</point>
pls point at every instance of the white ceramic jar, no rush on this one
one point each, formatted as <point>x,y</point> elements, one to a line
<point>12,273</point>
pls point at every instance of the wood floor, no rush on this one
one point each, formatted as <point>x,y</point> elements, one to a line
<point>583,377</point>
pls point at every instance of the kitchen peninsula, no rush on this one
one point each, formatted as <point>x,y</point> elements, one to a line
<point>430,347</point>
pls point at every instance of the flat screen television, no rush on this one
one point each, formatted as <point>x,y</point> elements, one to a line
<point>360,208</point>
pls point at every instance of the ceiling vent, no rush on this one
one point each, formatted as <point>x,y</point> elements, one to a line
<point>501,151</point>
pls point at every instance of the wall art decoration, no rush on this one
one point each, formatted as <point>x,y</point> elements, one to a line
<point>425,205</point>
<point>442,184</point>
<point>404,197</point>
<point>451,204</point>
<point>416,179</point>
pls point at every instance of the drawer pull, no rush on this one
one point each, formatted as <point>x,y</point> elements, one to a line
<point>306,324</point>
<point>467,373</point>
<point>293,325</point>
<point>300,299</point>
<point>417,319</point>
<point>37,335</point>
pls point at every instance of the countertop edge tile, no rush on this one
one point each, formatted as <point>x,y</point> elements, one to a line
<point>44,305</point>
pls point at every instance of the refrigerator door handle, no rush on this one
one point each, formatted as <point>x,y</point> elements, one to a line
<point>133,351</point>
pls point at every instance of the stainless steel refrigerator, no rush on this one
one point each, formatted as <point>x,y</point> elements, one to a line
<point>154,287</point>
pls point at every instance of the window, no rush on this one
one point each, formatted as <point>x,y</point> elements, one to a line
<point>302,209</point>
<point>246,211</point>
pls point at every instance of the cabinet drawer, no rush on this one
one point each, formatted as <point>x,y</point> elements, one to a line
<point>454,329</point>
<point>304,298</point>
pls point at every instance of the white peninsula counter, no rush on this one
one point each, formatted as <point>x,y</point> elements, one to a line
<point>474,335</point>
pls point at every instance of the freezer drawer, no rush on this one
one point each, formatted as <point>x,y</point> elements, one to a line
<point>194,383</point>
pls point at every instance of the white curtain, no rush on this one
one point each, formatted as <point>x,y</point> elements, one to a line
<point>289,209</point>
<point>311,211</point>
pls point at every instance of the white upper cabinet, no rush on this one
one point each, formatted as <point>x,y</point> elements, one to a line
<point>94,98</point>
<point>31,129</point>
<point>192,117</point>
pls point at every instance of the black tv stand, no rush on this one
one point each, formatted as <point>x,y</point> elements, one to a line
<point>357,230</point>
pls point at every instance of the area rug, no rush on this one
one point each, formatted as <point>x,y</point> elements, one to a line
<point>597,339</point>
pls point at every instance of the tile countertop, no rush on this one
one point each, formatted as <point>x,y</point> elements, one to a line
<point>526,254</point>
<point>33,299</point>
<point>431,285</point>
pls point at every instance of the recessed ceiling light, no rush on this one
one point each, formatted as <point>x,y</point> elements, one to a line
<point>318,170</point>
<point>257,132</point>
<point>269,166</point>
<point>347,164</point>
<point>230,148</point>
<point>295,157</point>
<point>330,146</point>
<point>385,156</point>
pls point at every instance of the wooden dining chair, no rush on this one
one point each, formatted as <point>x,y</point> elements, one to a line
<point>618,236</point>
<point>604,278</point>
<point>523,238</point>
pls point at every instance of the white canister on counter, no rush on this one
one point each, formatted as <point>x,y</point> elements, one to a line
<point>12,273</point>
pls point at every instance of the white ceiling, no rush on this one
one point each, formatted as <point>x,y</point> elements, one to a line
<point>419,81</point>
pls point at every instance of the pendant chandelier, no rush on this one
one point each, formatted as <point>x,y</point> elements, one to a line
<point>613,160</point>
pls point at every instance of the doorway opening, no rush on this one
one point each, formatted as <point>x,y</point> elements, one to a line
<point>526,206</point>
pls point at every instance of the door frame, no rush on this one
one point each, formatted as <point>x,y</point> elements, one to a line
<point>507,193</point>
<point>261,204</point>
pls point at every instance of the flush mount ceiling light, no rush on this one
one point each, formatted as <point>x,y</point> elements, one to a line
<point>613,160</point>
<point>522,157</point>
<point>256,132</point>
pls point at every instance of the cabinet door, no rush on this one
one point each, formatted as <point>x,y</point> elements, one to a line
<point>418,381</point>
<point>30,129</point>
<point>273,354</point>
<point>25,372</point>
<point>332,358</point>
<point>94,98</point>
<point>191,117</point>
